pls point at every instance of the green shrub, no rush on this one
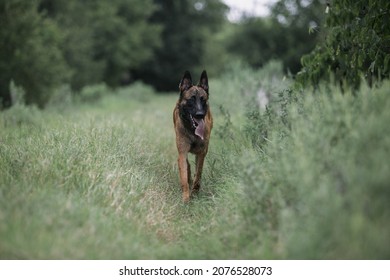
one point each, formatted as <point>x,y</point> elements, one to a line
<point>137,92</point>
<point>19,115</point>
<point>92,93</point>
<point>323,186</point>
<point>61,98</point>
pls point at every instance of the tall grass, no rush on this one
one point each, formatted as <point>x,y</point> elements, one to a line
<point>305,177</point>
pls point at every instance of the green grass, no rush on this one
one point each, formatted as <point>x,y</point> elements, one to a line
<point>307,179</point>
<point>101,181</point>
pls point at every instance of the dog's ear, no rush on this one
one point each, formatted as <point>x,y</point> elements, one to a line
<point>186,82</point>
<point>204,82</point>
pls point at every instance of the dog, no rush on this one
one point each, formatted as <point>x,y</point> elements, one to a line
<point>193,123</point>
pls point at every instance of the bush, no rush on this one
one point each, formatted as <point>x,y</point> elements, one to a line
<point>61,98</point>
<point>137,92</point>
<point>320,184</point>
<point>92,93</point>
<point>21,114</point>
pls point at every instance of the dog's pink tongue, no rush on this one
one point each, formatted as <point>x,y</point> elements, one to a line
<point>200,129</point>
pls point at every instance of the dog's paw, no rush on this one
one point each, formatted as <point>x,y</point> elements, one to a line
<point>186,197</point>
<point>195,189</point>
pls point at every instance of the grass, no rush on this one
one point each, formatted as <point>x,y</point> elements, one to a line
<point>98,181</point>
<point>306,178</point>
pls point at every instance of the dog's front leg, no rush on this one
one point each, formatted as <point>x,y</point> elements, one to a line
<point>199,159</point>
<point>183,170</point>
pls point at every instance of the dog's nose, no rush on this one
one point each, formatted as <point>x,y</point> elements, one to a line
<point>199,114</point>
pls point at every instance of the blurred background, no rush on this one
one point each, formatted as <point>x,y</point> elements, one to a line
<point>47,43</point>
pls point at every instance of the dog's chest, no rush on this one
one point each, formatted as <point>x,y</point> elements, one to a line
<point>197,145</point>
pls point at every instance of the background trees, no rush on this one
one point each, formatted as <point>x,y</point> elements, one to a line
<point>188,25</point>
<point>292,30</point>
<point>104,39</point>
<point>30,52</point>
<point>48,43</point>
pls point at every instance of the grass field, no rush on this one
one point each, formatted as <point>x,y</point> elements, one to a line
<point>308,178</point>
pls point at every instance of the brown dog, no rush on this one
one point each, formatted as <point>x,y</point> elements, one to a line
<point>193,123</point>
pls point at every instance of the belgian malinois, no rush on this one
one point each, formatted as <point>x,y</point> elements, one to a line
<point>193,123</point>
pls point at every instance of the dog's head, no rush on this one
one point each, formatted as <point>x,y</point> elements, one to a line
<point>193,103</point>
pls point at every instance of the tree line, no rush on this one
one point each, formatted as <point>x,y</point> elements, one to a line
<point>47,43</point>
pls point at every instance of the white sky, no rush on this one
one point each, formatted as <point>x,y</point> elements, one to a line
<point>249,7</point>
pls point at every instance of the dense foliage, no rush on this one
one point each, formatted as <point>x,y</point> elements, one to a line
<point>47,46</point>
<point>30,52</point>
<point>357,44</point>
<point>187,26</point>
<point>292,30</point>
<point>47,43</point>
<point>104,39</point>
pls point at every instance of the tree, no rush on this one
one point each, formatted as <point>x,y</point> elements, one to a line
<point>256,40</point>
<point>299,22</point>
<point>357,44</point>
<point>125,37</point>
<point>289,32</point>
<point>104,40</point>
<point>30,52</point>
<point>187,24</point>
